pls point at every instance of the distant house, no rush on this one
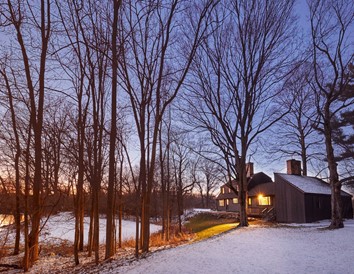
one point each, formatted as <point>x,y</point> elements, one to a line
<point>291,198</point>
<point>227,200</point>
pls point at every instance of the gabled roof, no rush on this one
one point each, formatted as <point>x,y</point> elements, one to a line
<point>257,179</point>
<point>265,189</point>
<point>308,184</point>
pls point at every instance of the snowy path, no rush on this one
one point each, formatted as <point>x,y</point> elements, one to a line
<point>256,250</point>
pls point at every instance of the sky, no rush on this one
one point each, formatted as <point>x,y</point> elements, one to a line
<point>269,167</point>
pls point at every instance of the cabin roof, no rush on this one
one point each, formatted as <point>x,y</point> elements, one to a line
<point>258,179</point>
<point>308,184</point>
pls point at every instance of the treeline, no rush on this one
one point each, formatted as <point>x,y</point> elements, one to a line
<point>85,86</point>
<point>133,106</point>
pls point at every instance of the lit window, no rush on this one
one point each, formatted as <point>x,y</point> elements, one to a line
<point>249,201</point>
<point>229,190</point>
<point>221,203</point>
<point>227,201</point>
<point>235,200</point>
<point>222,190</point>
<point>264,200</point>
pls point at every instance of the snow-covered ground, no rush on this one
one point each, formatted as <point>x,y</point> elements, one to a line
<point>294,248</point>
<point>256,249</point>
<point>62,227</point>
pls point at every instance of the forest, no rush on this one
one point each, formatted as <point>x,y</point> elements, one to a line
<point>142,109</point>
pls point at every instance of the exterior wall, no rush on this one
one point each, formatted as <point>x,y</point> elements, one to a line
<point>318,207</point>
<point>347,207</point>
<point>227,207</point>
<point>254,209</point>
<point>290,205</point>
<point>294,206</point>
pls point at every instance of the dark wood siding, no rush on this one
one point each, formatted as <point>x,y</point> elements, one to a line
<point>347,207</point>
<point>290,204</point>
<point>295,206</point>
<point>228,207</point>
<point>318,207</point>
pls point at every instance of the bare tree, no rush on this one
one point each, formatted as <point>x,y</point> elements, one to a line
<point>181,163</point>
<point>165,173</point>
<point>8,87</point>
<point>238,72</point>
<point>19,16</point>
<point>153,71</point>
<point>332,44</point>
<point>296,134</point>
<point>113,135</point>
<point>212,174</point>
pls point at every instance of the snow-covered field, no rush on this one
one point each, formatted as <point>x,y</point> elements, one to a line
<point>295,248</point>
<point>257,249</point>
<point>62,227</point>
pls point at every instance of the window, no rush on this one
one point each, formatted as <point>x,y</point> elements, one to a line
<point>249,201</point>
<point>264,200</point>
<point>235,200</point>
<point>221,203</point>
<point>227,201</point>
<point>222,190</point>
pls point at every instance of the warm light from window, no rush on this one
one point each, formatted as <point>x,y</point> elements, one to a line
<point>263,200</point>
<point>221,203</point>
<point>235,200</point>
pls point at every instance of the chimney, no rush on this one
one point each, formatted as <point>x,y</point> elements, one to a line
<point>293,167</point>
<point>249,169</point>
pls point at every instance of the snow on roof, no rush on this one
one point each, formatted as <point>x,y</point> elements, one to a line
<point>307,184</point>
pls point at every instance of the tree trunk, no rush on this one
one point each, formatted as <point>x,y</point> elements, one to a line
<point>16,163</point>
<point>26,257</point>
<point>113,136</point>
<point>336,200</point>
<point>243,195</point>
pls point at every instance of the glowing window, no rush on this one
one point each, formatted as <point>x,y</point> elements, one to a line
<point>264,200</point>
<point>249,201</point>
<point>235,200</point>
<point>222,190</point>
<point>227,201</point>
<point>221,203</point>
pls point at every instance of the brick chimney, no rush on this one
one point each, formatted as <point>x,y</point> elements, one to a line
<point>293,167</point>
<point>249,169</point>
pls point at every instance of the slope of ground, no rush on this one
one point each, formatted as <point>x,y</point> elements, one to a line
<point>262,248</point>
<point>256,249</point>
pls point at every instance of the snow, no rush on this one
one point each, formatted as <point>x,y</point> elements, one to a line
<point>256,249</point>
<point>62,226</point>
<point>262,248</point>
<point>307,184</point>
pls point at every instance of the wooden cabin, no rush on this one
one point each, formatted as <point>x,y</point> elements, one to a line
<point>227,200</point>
<point>291,198</point>
<point>303,199</point>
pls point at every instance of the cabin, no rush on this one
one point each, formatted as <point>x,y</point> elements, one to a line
<point>227,200</point>
<point>291,198</point>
